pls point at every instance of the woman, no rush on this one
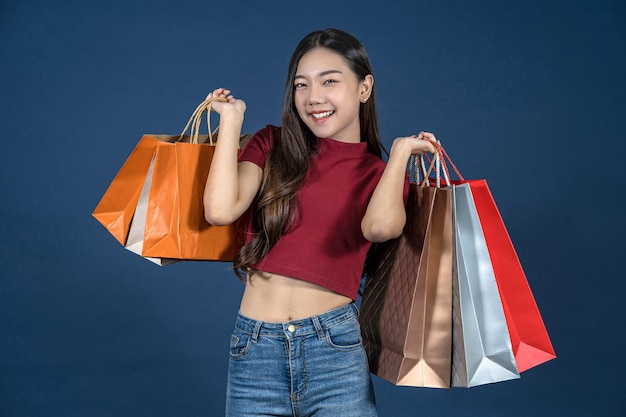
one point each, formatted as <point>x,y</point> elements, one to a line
<point>320,194</point>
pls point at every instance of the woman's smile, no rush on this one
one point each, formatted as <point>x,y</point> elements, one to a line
<point>322,115</point>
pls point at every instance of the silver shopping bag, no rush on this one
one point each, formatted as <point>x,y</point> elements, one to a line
<point>481,346</point>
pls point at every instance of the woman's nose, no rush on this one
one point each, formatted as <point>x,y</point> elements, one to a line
<point>316,95</point>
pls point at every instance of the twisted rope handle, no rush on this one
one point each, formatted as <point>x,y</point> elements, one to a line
<point>417,166</point>
<point>438,163</point>
<point>196,120</point>
<point>447,158</point>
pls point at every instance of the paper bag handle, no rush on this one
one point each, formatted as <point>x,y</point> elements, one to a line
<point>196,120</point>
<point>446,159</point>
<point>421,167</point>
<point>438,163</point>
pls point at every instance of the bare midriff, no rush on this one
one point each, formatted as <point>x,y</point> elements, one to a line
<point>278,299</point>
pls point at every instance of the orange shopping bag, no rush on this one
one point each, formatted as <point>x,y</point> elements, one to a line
<point>154,204</point>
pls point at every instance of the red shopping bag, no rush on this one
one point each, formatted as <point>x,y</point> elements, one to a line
<point>529,337</point>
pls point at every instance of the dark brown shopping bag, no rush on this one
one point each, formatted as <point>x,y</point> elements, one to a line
<point>172,219</point>
<point>406,311</point>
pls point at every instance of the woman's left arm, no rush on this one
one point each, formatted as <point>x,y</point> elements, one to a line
<point>385,215</point>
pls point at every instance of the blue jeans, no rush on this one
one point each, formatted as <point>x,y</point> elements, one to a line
<point>310,367</point>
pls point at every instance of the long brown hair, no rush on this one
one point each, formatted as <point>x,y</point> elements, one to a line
<point>294,145</point>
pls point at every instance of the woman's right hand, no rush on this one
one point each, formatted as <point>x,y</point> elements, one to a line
<point>231,104</point>
<point>231,185</point>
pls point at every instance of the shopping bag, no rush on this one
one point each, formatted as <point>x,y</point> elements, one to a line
<point>406,310</point>
<point>171,210</point>
<point>529,338</point>
<point>481,349</point>
<point>134,242</point>
<point>117,206</point>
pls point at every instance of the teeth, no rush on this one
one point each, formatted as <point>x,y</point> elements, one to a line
<point>322,115</point>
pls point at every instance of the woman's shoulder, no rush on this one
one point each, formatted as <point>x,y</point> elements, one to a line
<point>267,132</point>
<point>263,137</point>
<point>374,163</point>
<point>258,146</point>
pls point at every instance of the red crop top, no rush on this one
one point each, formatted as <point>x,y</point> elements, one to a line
<point>325,245</point>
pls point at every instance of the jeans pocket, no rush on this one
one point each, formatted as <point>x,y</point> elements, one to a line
<point>239,344</point>
<point>345,335</point>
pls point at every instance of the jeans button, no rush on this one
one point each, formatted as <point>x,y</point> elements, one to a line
<point>291,328</point>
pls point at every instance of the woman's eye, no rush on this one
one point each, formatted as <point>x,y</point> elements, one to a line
<point>330,81</point>
<point>299,86</point>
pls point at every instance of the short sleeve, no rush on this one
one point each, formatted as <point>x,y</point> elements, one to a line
<point>257,148</point>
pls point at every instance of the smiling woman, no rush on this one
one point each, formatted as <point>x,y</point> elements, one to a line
<point>320,195</point>
<point>328,95</point>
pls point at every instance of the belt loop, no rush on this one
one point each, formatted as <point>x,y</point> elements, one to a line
<point>256,331</point>
<point>355,308</point>
<point>318,327</point>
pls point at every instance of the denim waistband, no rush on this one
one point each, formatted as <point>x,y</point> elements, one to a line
<point>301,327</point>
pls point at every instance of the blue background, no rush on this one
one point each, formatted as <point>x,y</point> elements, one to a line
<point>528,94</point>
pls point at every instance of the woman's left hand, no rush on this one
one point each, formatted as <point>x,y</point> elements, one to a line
<point>424,142</point>
<point>385,215</point>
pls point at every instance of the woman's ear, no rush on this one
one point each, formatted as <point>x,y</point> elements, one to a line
<point>365,88</point>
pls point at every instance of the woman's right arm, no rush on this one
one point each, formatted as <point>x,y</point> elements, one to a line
<point>231,186</point>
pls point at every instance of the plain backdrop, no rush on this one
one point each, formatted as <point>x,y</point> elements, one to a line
<point>528,94</point>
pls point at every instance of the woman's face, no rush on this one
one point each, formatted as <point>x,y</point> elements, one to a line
<point>328,95</point>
